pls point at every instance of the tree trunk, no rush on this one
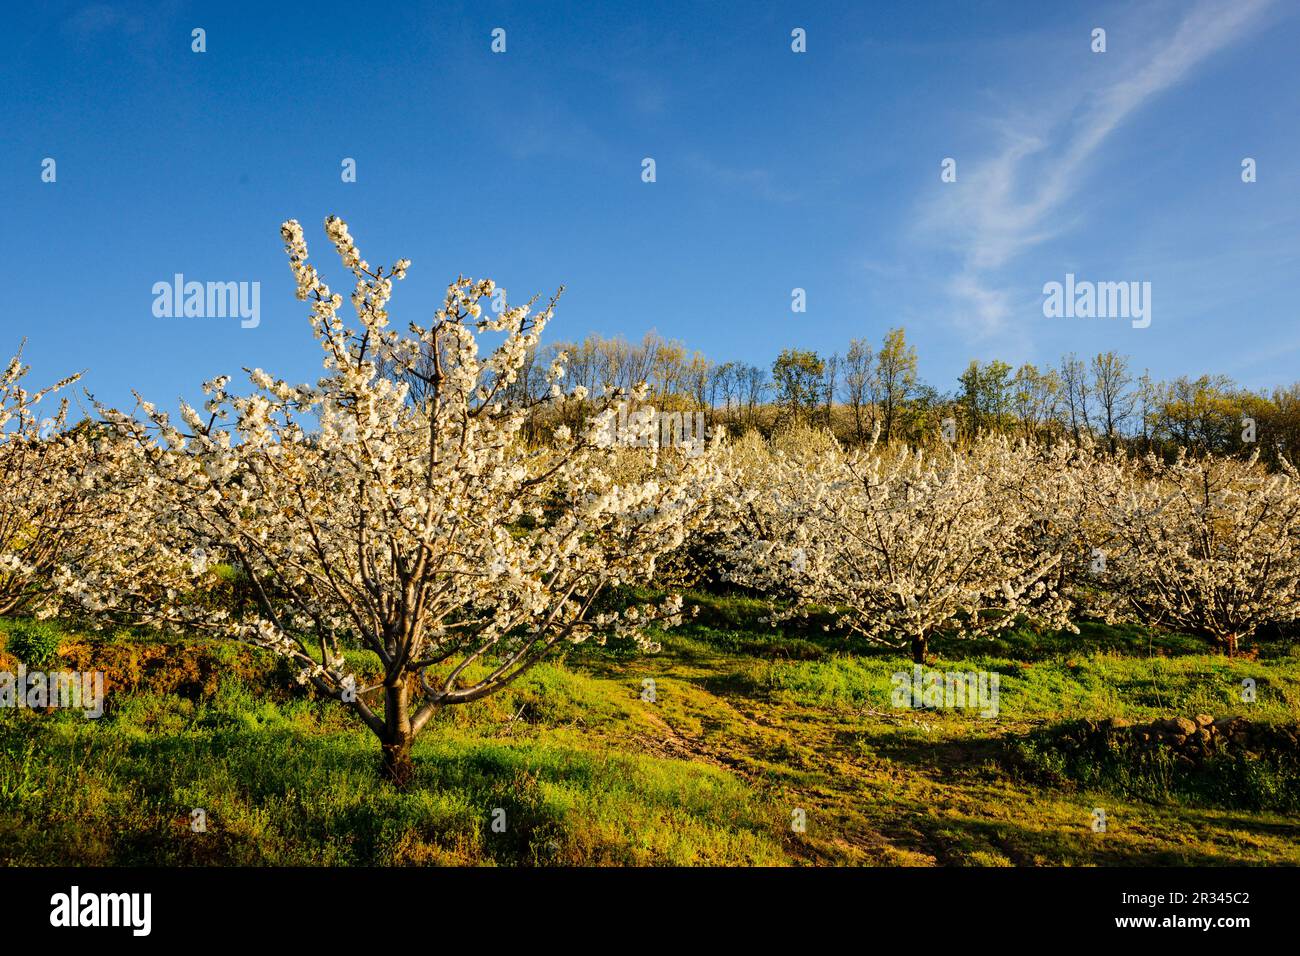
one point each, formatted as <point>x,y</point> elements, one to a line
<point>396,766</point>
<point>920,645</point>
<point>1230,645</point>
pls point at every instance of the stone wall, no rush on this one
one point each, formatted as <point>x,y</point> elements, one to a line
<point>1202,736</point>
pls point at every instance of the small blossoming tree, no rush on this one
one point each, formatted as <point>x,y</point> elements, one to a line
<point>1207,545</point>
<point>44,511</point>
<point>903,543</point>
<point>425,530</point>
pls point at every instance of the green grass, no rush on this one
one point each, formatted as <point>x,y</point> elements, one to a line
<point>1082,685</point>
<point>295,784</point>
<point>749,724</point>
<point>34,643</point>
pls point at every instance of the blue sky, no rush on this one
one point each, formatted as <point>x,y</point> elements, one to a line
<point>775,170</point>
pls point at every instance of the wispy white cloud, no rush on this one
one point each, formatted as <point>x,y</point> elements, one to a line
<point>755,179</point>
<point>1024,194</point>
<point>96,18</point>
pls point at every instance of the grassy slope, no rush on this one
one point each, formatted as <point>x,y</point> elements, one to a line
<point>748,725</point>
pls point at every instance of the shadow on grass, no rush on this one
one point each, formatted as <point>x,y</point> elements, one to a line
<point>972,841</point>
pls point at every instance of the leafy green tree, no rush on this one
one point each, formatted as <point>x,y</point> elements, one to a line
<point>986,395</point>
<point>895,378</point>
<point>798,377</point>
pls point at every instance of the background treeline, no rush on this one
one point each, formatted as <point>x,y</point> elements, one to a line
<point>1102,396</point>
